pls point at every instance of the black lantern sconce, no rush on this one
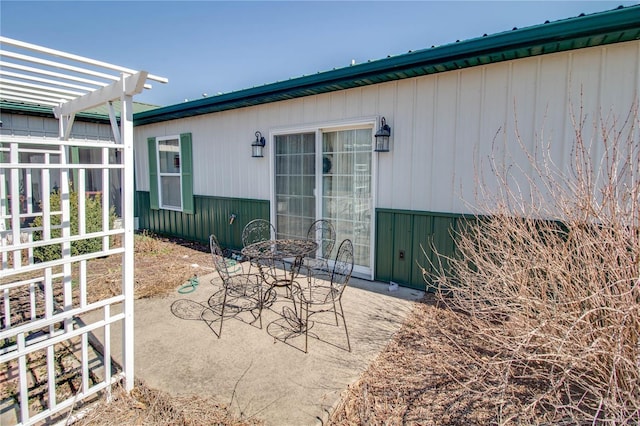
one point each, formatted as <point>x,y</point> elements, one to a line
<point>382,136</point>
<point>258,145</point>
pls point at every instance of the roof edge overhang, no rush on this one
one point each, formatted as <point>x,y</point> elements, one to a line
<point>614,26</point>
<point>92,116</point>
<point>46,111</point>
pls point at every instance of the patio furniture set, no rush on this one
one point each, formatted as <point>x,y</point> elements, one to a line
<point>298,272</point>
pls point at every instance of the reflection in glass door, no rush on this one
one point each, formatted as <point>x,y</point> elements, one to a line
<point>346,188</point>
<point>295,184</point>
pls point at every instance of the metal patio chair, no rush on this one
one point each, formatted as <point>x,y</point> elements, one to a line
<point>274,271</point>
<point>321,295</point>
<point>255,231</point>
<point>322,232</point>
<point>241,292</point>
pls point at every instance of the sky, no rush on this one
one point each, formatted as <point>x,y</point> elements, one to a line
<point>209,47</point>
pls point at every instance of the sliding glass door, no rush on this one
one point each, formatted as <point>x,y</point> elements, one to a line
<point>326,175</point>
<point>346,188</point>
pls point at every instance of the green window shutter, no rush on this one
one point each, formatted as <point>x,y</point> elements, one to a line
<point>186,157</point>
<point>154,201</point>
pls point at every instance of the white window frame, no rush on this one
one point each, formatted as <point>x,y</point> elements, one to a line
<point>161,203</point>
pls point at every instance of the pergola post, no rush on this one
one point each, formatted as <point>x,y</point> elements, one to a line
<point>126,138</point>
<point>68,89</point>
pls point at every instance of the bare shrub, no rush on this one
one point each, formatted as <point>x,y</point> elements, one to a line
<point>548,283</point>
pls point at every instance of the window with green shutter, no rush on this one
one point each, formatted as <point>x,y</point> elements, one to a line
<point>171,173</point>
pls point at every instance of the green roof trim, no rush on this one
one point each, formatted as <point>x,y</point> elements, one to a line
<point>613,26</point>
<point>98,114</point>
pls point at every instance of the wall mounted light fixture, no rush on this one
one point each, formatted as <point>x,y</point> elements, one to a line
<point>258,145</point>
<point>382,136</point>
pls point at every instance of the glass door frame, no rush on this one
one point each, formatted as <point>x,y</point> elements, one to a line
<point>320,128</point>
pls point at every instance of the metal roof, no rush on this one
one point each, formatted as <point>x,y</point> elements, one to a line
<point>614,26</point>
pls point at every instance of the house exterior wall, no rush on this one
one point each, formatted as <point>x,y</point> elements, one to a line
<point>445,128</point>
<point>222,160</point>
<point>211,216</point>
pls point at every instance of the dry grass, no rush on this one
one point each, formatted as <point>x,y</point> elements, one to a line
<point>146,406</point>
<point>161,265</point>
<point>418,378</point>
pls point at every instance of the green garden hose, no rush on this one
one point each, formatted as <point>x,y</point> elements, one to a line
<point>189,287</point>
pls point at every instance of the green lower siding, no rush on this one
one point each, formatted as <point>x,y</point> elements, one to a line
<point>211,216</point>
<point>405,242</point>
<point>404,239</point>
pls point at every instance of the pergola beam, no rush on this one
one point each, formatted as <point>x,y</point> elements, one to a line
<point>46,72</point>
<point>13,84</point>
<point>57,75</point>
<point>76,58</point>
<point>127,85</point>
<point>58,65</point>
<point>27,97</point>
<point>48,81</point>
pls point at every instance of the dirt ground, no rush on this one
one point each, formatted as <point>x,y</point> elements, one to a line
<point>161,264</point>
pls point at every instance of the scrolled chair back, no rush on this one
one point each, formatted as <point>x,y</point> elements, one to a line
<point>219,260</point>
<point>257,230</point>
<point>343,266</point>
<point>323,232</point>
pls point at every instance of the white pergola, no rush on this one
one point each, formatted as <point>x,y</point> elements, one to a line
<point>69,84</point>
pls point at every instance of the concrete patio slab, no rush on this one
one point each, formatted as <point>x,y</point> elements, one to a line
<point>251,369</point>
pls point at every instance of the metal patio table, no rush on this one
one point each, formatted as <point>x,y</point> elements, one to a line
<point>271,256</point>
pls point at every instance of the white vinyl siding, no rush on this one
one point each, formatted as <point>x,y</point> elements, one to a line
<point>445,127</point>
